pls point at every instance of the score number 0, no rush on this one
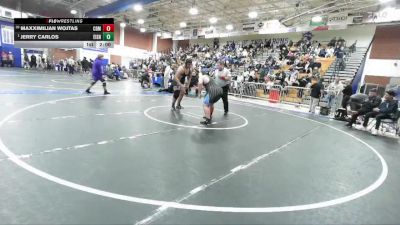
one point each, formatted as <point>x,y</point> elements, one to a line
<point>108,27</point>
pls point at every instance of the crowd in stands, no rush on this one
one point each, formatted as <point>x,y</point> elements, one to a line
<point>286,63</point>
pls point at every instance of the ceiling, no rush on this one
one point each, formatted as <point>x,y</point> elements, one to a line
<point>165,15</point>
<point>54,8</point>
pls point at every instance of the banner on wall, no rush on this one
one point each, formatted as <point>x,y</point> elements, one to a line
<point>338,19</point>
<point>194,33</point>
<point>323,22</point>
<point>273,27</point>
<point>355,20</point>
<point>385,15</point>
<point>320,28</point>
<point>201,31</point>
<point>249,26</point>
<point>211,32</point>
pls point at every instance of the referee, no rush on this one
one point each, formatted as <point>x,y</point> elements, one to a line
<point>222,79</point>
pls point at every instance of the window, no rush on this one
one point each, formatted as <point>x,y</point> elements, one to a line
<point>7,35</point>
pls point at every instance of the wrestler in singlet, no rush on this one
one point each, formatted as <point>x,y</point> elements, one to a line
<point>213,91</point>
<point>179,84</point>
<point>213,94</point>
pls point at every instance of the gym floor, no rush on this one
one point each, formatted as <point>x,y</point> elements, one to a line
<point>71,158</point>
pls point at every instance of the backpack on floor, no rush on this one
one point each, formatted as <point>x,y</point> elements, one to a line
<point>324,111</point>
<point>341,114</point>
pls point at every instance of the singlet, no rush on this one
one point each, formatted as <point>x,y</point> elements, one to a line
<point>184,75</point>
<point>211,87</point>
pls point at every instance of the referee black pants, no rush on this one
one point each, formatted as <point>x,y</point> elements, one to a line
<point>225,90</point>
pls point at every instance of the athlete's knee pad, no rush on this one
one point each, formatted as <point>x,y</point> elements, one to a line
<point>104,84</point>
<point>93,83</point>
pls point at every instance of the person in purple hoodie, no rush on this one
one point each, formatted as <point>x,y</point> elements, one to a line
<point>97,73</point>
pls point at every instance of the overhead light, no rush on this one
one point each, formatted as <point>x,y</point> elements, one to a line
<point>193,11</point>
<point>137,7</point>
<point>253,15</point>
<point>385,1</point>
<point>73,12</point>
<point>158,34</point>
<point>229,27</point>
<point>140,21</point>
<point>182,24</point>
<point>166,35</point>
<point>213,20</point>
<point>142,29</point>
<point>122,25</point>
<point>316,19</point>
<point>178,32</point>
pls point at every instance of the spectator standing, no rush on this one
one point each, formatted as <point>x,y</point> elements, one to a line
<point>33,61</point>
<point>10,59</point>
<point>85,65</point>
<point>61,63</point>
<point>39,61</point>
<point>167,75</point>
<point>43,61</point>
<point>334,89</point>
<point>26,61</point>
<point>70,65</point>
<point>316,90</point>
<point>4,59</point>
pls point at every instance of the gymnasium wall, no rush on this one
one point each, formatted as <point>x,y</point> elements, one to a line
<point>135,39</point>
<point>117,31</point>
<point>115,59</point>
<point>183,44</point>
<point>383,59</point>
<point>164,45</point>
<point>60,53</point>
<point>386,43</point>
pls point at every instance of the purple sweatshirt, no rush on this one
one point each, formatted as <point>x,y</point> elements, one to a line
<point>97,70</point>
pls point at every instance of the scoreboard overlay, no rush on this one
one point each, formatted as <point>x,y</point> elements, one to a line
<point>64,32</point>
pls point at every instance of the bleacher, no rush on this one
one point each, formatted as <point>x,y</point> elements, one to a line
<point>353,62</point>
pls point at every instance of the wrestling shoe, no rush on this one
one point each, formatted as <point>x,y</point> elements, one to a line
<point>205,122</point>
